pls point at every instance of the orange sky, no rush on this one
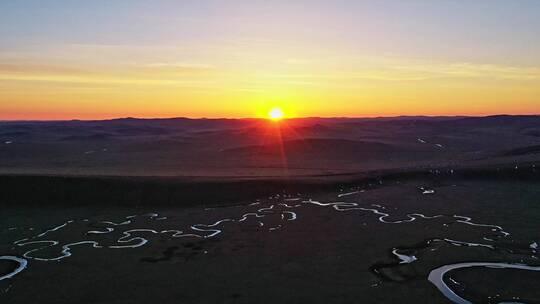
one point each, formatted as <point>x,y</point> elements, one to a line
<point>219,59</point>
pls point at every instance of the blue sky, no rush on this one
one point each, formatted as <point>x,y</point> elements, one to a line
<point>484,30</point>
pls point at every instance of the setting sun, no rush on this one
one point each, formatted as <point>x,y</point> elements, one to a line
<point>276,114</point>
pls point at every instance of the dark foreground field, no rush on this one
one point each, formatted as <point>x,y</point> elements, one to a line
<point>371,241</point>
<point>458,225</point>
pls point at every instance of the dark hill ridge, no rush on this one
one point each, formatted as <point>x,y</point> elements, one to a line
<point>253,147</point>
<point>95,136</point>
<point>216,123</point>
<point>524,151</point>
<point>314,145</point>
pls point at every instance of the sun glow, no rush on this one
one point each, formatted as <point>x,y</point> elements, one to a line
<point>276,114</point>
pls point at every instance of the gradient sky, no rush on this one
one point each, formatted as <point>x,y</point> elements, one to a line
<point>102,59</point>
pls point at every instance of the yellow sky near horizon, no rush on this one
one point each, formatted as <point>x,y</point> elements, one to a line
<point>247,82</point>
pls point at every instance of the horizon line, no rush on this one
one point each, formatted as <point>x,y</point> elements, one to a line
<point>264,118</point>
